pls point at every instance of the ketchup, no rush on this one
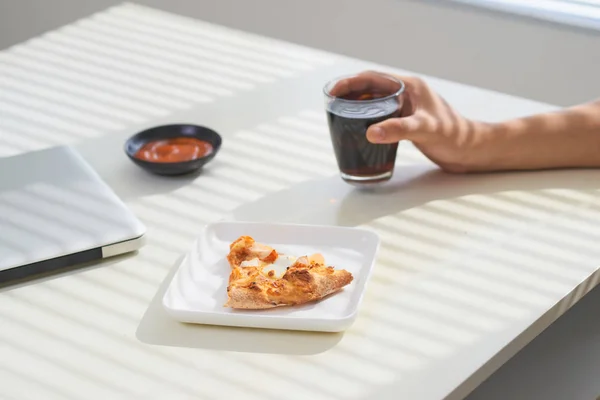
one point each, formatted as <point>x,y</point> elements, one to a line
<point>174,150</point>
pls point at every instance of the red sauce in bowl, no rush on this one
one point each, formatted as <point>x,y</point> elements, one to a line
<point>174,150</point>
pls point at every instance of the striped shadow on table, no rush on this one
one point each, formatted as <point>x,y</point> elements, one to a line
<point>126,66</point>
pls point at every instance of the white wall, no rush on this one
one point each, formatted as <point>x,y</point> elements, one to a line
<point>520,56</point>
<point>542,61</point>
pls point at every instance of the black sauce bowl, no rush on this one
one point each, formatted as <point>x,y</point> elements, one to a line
<point>134,143</point>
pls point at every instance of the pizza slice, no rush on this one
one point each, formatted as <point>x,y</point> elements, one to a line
<point>250,287</point>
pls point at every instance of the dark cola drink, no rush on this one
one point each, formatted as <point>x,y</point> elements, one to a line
<point>360,161</point>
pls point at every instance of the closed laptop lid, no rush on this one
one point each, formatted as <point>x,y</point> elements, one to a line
<point>53,204</point>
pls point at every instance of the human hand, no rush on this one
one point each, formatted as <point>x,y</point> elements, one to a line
<point>566,138</point>
<point>450,140</point>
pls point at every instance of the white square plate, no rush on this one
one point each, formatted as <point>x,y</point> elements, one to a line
<point>199,288</point>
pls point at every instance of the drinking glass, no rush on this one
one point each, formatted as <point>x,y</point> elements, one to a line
<point>353,103</point>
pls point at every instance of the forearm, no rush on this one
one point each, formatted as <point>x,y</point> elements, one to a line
<point>564,139</point>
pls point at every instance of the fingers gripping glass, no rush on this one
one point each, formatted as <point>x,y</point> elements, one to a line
<point>353,103</point>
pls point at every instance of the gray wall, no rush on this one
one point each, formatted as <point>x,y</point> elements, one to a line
<point>542,61</point>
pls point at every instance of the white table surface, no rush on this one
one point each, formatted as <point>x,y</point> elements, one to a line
<point>471,267</point>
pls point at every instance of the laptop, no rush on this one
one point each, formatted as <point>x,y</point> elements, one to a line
<point>56,213</point>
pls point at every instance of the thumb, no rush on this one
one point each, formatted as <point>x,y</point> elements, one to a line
<point>395,129</point>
